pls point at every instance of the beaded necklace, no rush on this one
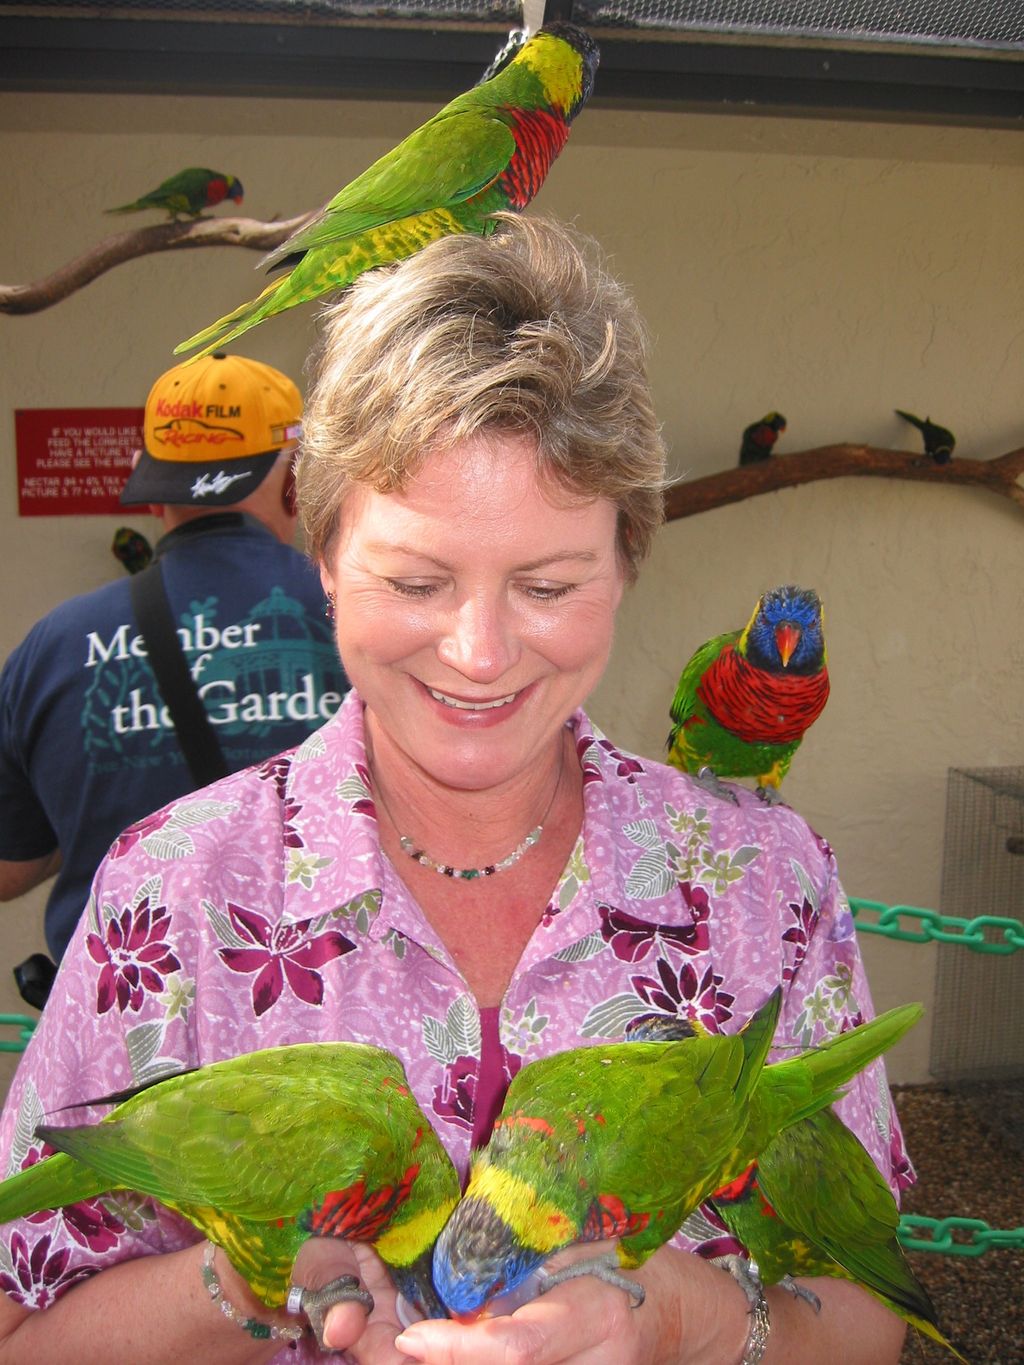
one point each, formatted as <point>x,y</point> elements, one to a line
<point>468,874</point>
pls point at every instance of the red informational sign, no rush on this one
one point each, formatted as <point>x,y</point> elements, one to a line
<point>74,461</point>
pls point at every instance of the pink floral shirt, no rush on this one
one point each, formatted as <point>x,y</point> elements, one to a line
<point>261,911</point>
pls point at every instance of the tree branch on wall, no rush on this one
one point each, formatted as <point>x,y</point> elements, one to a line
<point>144,241</point>
<point>1001,475</point>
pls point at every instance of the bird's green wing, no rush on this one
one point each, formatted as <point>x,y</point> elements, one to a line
<point>453,156</point>
<point>259,1136</point>
<point>823,1184</point>
<point>685,699</point>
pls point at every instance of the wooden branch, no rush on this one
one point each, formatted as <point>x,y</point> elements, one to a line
<point>1001,475</point>
<point>126,246</point>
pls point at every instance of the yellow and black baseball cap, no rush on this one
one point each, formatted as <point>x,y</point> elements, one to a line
<point>212,431</point>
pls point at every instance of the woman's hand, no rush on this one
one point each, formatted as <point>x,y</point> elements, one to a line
<point>693,1312</point>
<point>369,1340</point>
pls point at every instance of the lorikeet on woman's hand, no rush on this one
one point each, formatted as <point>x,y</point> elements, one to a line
<point>745,700</point>
<point>814,1203</point>
<point>625,1140</point>
<point>261,1152</point>
<point>188,193</point>
<point>489,149</point>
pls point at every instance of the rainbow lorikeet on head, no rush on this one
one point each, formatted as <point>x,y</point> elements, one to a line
<point>939,442</point>
<point>745,700</point>
<point>814,1203</point>
<point>488,150</point>
<point>188,193</point>
<point>760,437</point>
<point>261,1152</point>
<point>579,1150</point>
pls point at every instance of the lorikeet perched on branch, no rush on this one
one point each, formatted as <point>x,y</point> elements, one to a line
<point>939,442</point>
<point>579,1151</point>
<point>489,149</point>
<point>188,193</point>
<point>261,1152</point>
<point>759,438</point>
<point>745,700</point>
<point>814,1203</point>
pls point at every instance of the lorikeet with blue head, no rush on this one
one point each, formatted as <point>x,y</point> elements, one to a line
<point>490,149</point>
<point>263,1151</point>
<point>745,700</point>
<point>578,1151</point>
<point>939,442</point>
<point>759,438</point>
<point>188,193</point>
<point>814,1203</point>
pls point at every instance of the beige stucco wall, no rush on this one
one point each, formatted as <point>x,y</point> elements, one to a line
<point>833,270</point>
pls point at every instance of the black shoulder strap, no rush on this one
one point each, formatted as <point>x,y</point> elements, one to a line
<point>167,659</point>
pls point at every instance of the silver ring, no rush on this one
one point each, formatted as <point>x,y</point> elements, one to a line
<point>294,1304</point>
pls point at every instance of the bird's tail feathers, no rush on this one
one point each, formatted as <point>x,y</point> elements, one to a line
<point>49,1184</point>
<point>817,1077</point>
<point>232,324</point>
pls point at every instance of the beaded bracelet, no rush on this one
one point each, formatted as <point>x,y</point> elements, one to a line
<point>259,1331</point>
<point>760,1326</point>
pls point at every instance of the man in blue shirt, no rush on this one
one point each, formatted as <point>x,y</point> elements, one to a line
<point>87,743</point>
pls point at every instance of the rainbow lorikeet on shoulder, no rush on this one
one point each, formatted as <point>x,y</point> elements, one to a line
<point>759,438</point>
<point>579,1150</point>
<point>261,1152</point>
<point>488,150</point>
<point>814,1203</point>
<point>939,442</point>
<point>188,193</point>
<point>745,700</point>
<point>132,548</point>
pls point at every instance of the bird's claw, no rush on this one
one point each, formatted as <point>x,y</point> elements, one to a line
<point>707,778</point>
<point>602,1267</point>
<point>315,1303</point>
<point>746,1275</point>
<point>769,795</point>
<point>800,1291</point>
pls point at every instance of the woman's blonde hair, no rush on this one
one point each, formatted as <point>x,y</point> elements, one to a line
<point>522,331</point>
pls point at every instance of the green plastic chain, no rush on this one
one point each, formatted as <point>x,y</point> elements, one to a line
<point>936,928</point>
<point>975,1236</point>
<point>24,1025</point>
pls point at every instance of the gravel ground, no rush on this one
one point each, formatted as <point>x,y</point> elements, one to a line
<point>967,1149</point>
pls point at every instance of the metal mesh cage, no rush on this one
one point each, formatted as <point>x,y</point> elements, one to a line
<point>966,25</point>
<point>978,1015</point>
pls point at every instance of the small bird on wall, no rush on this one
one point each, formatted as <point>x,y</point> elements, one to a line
<point>186,194</point>
<point>489,149</point>
<point>759,438</point>
<point>746,699</point>
<point>939,442</point>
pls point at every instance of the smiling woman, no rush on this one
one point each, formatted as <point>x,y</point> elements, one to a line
<point>458,867</point>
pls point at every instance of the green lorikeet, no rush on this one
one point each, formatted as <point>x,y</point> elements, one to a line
<point>578,1152</point>
<point>745,700</point>
<point>489,149</point>
<point>261,1152</point>
<point>188,193</point>
<point>759,438</point>
<point>939,442</point>
<point>814,1203</point>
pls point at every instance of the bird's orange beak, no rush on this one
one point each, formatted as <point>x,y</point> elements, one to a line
<point>787,637</point>
<point>466,1318</point>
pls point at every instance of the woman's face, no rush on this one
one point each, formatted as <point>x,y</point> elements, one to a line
<point>474,612</point>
